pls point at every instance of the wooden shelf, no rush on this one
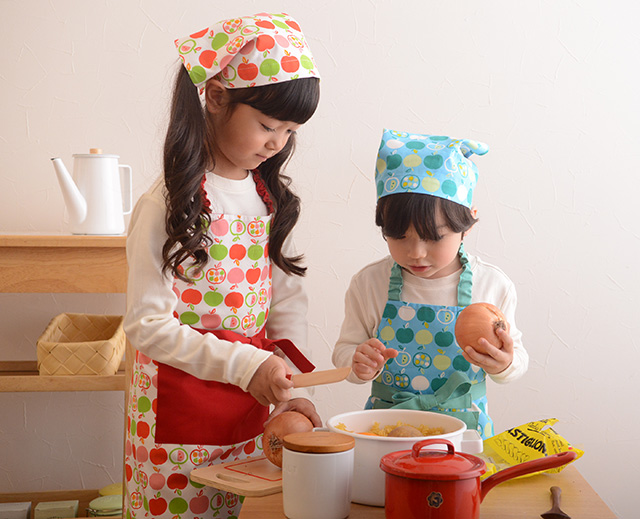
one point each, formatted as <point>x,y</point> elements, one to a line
<point>63,264</point>
<point>22,376</point>
<point>60,264</point>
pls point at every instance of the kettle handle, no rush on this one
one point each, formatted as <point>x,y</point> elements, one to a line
<point>539,464</point>
<point>127,198</point>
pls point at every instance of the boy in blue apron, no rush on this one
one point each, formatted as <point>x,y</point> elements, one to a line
<point>400,312</point>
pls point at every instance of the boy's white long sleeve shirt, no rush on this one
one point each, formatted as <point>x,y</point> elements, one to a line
<point>150,324</point>
<point>368,293</point>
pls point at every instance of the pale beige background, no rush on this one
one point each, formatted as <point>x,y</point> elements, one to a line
<point>551,86</point>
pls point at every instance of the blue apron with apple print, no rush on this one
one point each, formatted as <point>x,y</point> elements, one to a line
<point>429,372</point>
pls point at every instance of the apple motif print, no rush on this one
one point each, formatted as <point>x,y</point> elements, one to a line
<point>136,500</point>
<point>199,455</point>
<point>236,276</point>
<point>177,482</point>
<point>237,228</point>
<point>248,321</point>
<point>256,228</point>
<point>178,456</point>
<point>444,339</point>
<point>404,335</point>
<point>251,299</point>
<point>157,481</point>
<point>231,322</point>
<point>220,227</point>
<point>235,45</point>
<point>216,275</point>
<point>157,506</point>
<point>234,300</point>
<point>231,26</point>
<point>253,274</point>
<point>213,298</point>
<point>192,297</point>
<point>247,71</point>
<point>264,44</point>
<point>199,504</point>
<point>158,455</point>
<point>255,251</point>
<point>211,321</point>
<point>178,506</point>
<point>237,253</point>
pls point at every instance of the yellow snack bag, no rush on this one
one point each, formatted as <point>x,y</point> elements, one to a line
<point>530,441</point>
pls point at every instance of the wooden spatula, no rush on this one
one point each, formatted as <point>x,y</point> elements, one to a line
<point>317,378</point>
<point>555,512</point>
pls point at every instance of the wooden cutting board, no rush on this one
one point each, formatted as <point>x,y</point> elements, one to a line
<point>250,477</point>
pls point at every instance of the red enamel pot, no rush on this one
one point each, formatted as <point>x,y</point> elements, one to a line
<point>437,484</point>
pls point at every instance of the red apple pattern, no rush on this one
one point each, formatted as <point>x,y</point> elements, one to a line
<point>233,292</point>
<point>157,475</point>
<point>249,51</point>
<point>235,287</point>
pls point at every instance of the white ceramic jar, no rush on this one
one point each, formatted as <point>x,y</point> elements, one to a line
<point>317,475</point>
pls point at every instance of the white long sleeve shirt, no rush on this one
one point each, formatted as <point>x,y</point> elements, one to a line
<point>368,293</point>
<point>149,321</point>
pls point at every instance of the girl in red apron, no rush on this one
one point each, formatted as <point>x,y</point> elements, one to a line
<point>214,300</point>
<point>400,312</point>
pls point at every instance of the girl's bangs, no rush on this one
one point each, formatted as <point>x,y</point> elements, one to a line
<point>294,101</point>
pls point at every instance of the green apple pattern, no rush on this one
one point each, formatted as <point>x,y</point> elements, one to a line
<point>234,290</point>
<point>428,164</point>
<point>248,51</point>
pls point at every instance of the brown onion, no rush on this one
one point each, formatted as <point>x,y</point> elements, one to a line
<point>480,320</point>
<point>286,423</point>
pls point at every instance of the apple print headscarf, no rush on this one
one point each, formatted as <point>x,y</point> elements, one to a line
<point>249,51</point>
<point>428,164</point>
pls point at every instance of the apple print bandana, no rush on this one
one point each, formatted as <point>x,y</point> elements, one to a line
<point>249,51</point>
<point>429,164</point>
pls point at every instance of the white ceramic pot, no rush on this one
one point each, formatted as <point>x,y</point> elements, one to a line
<point>317,471</point>
<point>368,477</point>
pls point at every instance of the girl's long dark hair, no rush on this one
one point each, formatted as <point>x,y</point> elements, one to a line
<point>188,155</point>
<point>395,213</point>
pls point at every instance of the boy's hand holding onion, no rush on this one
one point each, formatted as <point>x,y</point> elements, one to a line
<point>483,334</point>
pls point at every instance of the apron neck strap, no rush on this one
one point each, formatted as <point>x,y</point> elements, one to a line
<point>466,279</point>
<point>262,190</point>
<point>395,282</point>
<point>464,285</point>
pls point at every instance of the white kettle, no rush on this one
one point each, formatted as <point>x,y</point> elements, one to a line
<point>95,200</point>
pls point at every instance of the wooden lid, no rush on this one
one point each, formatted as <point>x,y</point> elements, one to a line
<point>318,442</point>
<point>95,151</point>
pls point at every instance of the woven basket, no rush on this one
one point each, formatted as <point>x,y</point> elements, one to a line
<point>81,344</point>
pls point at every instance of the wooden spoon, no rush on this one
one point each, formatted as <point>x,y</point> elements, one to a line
<point>317,378</point>
<point>555,512</point>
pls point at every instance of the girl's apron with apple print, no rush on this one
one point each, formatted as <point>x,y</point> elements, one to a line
<point>429,372</point>
<point>177,422</point>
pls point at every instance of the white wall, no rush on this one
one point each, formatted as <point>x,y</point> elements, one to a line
<point>551,86</point>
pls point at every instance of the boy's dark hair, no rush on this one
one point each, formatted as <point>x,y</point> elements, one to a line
<point>188,155</point>
<point>395,213</point>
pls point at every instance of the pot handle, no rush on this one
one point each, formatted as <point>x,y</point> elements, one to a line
<point>548,462</point>
<point>417,447</point>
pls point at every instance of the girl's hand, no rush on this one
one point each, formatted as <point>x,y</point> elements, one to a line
<point>269,384</point>
<point>301,405</point>
<point>497,359</point>
<point>369,358</point>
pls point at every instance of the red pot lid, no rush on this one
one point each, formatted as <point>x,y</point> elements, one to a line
<point>433,464</point>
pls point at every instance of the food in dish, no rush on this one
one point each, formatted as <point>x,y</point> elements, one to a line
<point>400,428</point>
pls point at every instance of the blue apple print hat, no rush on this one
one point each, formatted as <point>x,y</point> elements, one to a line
<point>428,164</point>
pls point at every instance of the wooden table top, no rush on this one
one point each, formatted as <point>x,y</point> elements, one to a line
<point>524,498</point>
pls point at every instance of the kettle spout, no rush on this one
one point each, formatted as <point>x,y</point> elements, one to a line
<point>76,203</point>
